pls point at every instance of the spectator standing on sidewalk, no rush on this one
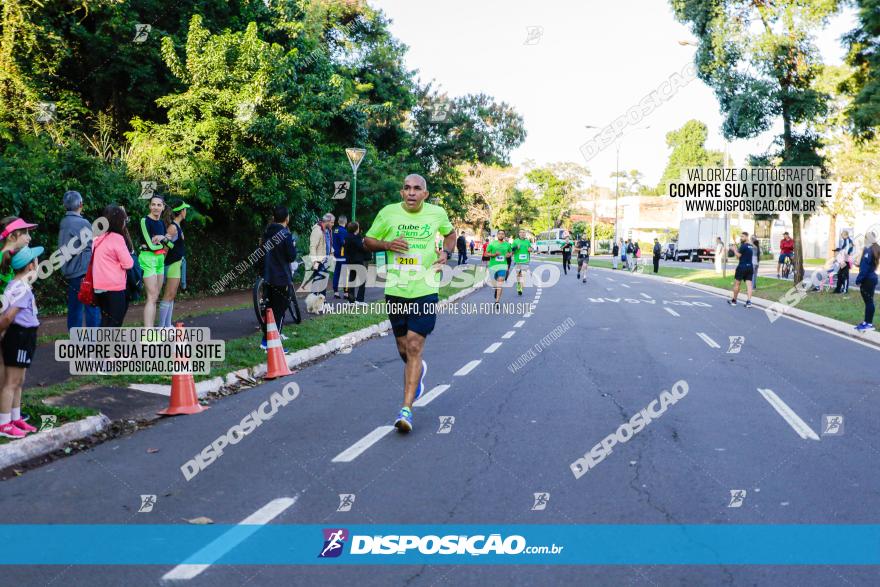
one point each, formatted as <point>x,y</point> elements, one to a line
<point>461,245</point>
<point>656,252</point>
<point>844,246</point>
<point>471,244</point>
<point>355,257</point>
<point>339,234</point>
<point>720,251</point>
<point>111,260</point>
<point>867,279</point>
<point>615,255</point>
<point>623,260</point>
<point>175,260</point>
<point>73,227</point>
<point>320,251</point>
<point>276,266</point>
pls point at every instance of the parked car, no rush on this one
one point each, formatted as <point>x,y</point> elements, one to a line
<point>668,251</point>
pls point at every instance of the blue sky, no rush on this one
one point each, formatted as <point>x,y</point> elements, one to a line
<point>593,61</point>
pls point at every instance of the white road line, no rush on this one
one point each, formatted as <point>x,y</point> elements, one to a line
<point>508,334</point>
<point>492,347</point>
<point>467,368</point>
<point>527,315</point>
<point>609,279</point>
<point>671,311</point>
<point>646,296</point>
<point>430,396</point>
<point>801,427</point>
<point>624,285</point>
<point>355,450</point>
<point>519,324</point>
<point>708,340</point>
<point>229,540</point>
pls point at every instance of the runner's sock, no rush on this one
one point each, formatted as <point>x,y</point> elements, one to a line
<point>16,413</point>
<point>164,312</point>
<point>170,320</point>
<point>5,418</point>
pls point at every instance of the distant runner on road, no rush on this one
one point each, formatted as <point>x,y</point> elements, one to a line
<point>522,248</point>
<point>499,251</point>
<point>407,231</point>
<point>582,250</point>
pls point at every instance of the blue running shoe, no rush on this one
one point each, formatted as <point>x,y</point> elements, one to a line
<point>864,327</point>
<point>404,420</point>
<point>421,388</point>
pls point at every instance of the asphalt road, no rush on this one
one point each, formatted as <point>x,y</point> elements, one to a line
<point>516,433</point>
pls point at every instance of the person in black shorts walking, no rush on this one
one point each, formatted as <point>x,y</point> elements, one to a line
<point>743,270</point>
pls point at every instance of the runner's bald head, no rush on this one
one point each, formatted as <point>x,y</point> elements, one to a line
<point>415,178</point>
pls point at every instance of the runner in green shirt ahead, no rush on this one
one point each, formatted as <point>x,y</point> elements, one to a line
<point>498,250</point>
<point>522,248</point>
<point>407,231</point>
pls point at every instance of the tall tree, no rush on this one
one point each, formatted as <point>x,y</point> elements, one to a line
<point>760,59</point>
<point>864,57</point>
<point>688,145</point>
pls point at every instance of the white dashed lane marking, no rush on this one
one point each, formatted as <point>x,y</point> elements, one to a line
<point>492,347</point>
<point>430,396</point>
<point>708,340</point>
<point>355,450</point>
<point>519,324</point>
<point>467,368</point>
<point>624,285</point>
<point>801,427</point>
<point>671,311</point>
<point>229,540</point>
<point>508,334</point>
<point>646,296</point>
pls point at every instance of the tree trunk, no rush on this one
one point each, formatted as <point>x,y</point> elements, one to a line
<point>832,232</point>
<point>795,218</point>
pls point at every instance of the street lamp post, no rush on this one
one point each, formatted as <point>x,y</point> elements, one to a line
<point>355,156</point>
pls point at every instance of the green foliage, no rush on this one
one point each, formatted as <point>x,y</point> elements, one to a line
<point>234,105</point>
<point>688,145</point>
<point>864,57</point>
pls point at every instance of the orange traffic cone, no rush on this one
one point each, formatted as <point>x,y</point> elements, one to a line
<point>277,364</point>
<point>184,399</point>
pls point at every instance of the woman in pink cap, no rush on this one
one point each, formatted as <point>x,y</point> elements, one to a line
<point>15,235</point>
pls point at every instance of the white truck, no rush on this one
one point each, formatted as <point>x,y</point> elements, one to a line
<point>697,238</point>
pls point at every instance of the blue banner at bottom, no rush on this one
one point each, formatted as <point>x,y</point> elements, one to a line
<point>441,544</point>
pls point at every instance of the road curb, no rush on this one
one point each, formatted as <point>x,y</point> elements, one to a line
<point>42,443</point>
<point>300,357</point>
<point>836,326</point>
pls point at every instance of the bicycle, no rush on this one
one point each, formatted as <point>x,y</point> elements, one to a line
<point>786,267</point>
<point>261,292</point>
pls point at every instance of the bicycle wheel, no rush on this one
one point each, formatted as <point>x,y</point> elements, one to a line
<point>261,301</point>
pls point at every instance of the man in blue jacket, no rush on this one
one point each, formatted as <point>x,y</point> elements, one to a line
<point>279,252</point>
<point>339,234</point>
<point>72,227</point>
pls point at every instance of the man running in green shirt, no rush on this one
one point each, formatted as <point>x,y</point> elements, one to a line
<point>406,230</point>
<point>521,256</point>
<point>498,250</point>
